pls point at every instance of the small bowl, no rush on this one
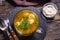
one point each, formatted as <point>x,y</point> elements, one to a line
<point>49,10</point>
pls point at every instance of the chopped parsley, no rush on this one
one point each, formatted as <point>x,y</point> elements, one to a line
<point>25,24</point>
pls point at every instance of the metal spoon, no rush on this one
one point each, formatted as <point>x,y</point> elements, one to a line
<point>4,28</point>
<point>12,32</point>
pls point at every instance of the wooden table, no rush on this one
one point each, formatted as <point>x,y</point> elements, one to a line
<point>53,32</point>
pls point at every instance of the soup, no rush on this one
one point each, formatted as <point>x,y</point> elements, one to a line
<point>26,22</point>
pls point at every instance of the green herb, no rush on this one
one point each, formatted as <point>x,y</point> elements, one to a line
<point>40,38</point>
<point>24,25</point>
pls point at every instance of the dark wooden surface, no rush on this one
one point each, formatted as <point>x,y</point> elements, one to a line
<point>53,32</point>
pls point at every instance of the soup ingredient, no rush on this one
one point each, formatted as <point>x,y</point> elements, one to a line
<point>24,25</point>
<point>31,18</point>
<point>31,21</point>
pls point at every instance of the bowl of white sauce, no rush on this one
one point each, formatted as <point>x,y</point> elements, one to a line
<point>49,10</point>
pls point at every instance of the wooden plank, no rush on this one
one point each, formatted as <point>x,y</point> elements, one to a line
<point>55,1</point>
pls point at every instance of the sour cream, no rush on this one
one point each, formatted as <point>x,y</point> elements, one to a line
<point>50,10</point>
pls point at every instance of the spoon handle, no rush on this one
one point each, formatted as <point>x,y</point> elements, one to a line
<point>13,33</point>
<point>40,30</point>
<point>9,35</point>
